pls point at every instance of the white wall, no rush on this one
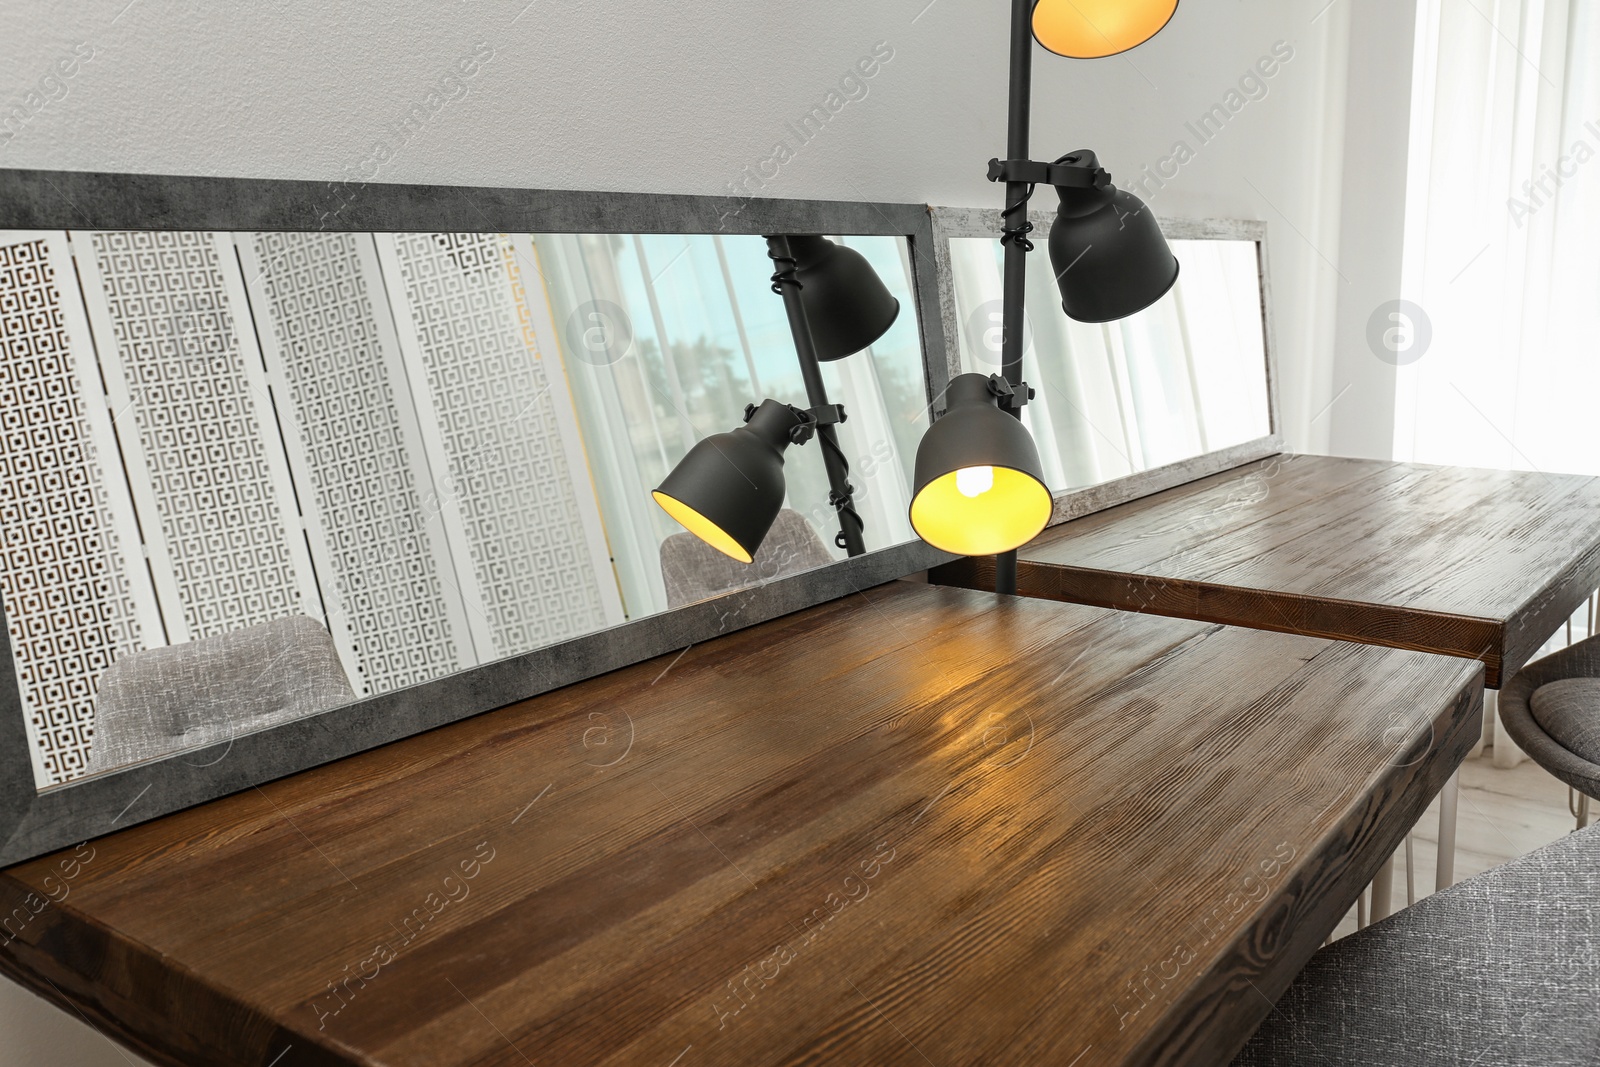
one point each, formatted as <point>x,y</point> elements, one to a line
<point>1372,222</point>
<point>636,95</point>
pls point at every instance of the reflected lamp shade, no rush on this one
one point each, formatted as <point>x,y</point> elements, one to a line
<point>846,302</point>
<point>979,487</point>
<point>728,490</point>
<point>1107,251</point>
<point>1093,29</point>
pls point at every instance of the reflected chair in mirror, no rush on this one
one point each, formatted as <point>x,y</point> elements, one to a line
<point>1551,708</point>
<point>1500,969</point>
<point>694,571</point>
<point>165,700</point>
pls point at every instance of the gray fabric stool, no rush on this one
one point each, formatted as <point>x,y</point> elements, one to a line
<point>1558,725</point>
<point>162,700</point>
<point>694,571</point>
<point>1501,969</point>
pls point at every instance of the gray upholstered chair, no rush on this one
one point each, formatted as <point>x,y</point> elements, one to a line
<point>1497,970</point>
<point>163,700</point>
<point>693,570</point>
<point>1551,708</point>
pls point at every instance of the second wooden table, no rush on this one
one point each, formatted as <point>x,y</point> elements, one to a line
<point>1477,563</point>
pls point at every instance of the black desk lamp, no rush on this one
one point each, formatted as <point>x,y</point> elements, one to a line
<point>979,484</point>
<point>730,487</point>
<point>980,490</point>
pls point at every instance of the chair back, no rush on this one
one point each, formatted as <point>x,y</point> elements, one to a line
<point>164,700</point>
<point>1581,660</point>
<point>694,571</point>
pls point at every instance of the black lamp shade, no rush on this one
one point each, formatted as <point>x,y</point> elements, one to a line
<point>728,490</point>
<point>979,487</point>
<point>847,303</point>
<point>1109,256</point>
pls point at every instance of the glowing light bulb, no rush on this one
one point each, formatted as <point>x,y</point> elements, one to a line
<point>974,481</point>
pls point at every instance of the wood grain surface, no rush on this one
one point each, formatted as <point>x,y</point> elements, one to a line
<point>919,825</point>
<point>1466,562</point>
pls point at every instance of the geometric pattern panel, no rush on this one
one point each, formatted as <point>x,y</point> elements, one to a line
<point>63,577</point>
<point>200,427</point>
<point>363,477</point>
<point>508,472</point>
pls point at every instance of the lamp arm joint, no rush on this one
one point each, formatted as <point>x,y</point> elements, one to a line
<point>809,420</point>
<point>828,414</point>
<point>1011,398</point>
<point>1064,173</point>
<point>812,419</point>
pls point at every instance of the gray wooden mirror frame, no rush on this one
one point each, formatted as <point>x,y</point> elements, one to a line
<point>33,821</point>
<point>959,222</point>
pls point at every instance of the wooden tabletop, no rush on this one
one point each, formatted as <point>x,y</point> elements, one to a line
<point>914,826</point>
<point>1465,562</point>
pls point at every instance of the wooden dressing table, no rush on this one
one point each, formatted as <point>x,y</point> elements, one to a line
<point>916,825</point>
<point>1478,563</point>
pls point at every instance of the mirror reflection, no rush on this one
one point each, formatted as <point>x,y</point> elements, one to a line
<point>1183,378</point>
<point>254,476</point>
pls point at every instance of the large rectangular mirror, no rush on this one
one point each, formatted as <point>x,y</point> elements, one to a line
<point>278,483</point>
<point>258,475</point>
<point>1180,390</point>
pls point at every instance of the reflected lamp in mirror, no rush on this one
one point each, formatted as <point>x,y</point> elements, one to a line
<point>980,486</point>
<point>846,302</point>
<point>1094,29</point>
<point>1185,378</point>
<point>730,487</point>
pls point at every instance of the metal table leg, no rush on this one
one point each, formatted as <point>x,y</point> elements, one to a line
<point>1446,874</point>
<point>1383,890</point>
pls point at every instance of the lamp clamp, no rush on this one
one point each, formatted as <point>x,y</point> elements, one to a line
<point>1012,398</point>
<point>812,418</point>
<point>829,414</point>
<point>1066,173</point>
<point>809,420</point>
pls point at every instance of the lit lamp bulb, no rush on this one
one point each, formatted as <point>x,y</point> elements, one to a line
<point>979,487</point>
<point>727,491</point>
<point>974,481</point>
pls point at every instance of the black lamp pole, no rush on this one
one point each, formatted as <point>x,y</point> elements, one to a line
<point>1017,245</point>
<point>842,494</point>
<point>1127,268</point>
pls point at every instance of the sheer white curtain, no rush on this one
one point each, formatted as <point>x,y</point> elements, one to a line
<point>666,337</point>
<point>1503,211</point>
<point>1184,377</point>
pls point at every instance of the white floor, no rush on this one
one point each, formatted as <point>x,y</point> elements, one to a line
<point>34,1033</point>
<point>1502,814</point>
